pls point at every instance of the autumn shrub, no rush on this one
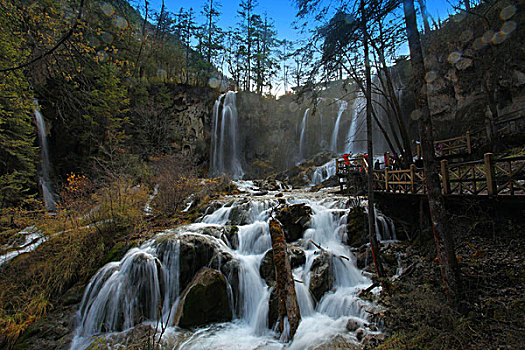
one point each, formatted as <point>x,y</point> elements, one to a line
<point>31,284</point>
<point>177,181</point>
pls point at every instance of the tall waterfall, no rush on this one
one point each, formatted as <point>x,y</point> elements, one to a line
<point>225,153</point>
<point>342,107</point>
<point>356,138</point>
<point>302,137</point>
<point>123,294</point>
<point>45,180</point>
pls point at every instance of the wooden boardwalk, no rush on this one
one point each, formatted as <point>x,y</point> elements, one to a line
<point>490,176</point>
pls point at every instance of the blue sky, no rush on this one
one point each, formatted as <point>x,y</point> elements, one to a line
<point>281,11</point>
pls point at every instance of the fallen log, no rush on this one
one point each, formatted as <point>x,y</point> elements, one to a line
<point>288,305</point>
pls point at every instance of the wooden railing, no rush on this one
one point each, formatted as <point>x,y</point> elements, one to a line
<point>344,166</point>
<point>450,147</point>
<point>490,176</point>
<point>505,176</point>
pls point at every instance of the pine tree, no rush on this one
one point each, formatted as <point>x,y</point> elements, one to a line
<point>212,33</point>
<point>17,137</point>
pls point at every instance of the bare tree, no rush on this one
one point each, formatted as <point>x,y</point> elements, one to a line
<point>443,236</point>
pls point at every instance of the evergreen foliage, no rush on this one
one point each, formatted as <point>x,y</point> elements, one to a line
<point>17,151</point>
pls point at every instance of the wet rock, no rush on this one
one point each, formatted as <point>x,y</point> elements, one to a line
<point>267,270</point>
<point>352,325</point>
<point>138,336</point>
<point>322,275</point>
<point>360,334</point>
<point>372,340</point>
<point>260,193</point>
<point>195,252</point>
<point>54,331</point>
<point>294,220</point>
<point>240,214</point>
<point>338,342</point>
<point>205,300</point>
<point>227,234</point>
<point>273,308</point>
<point>297,257</point>
<point>229,267</point>
<point>214,231</point>
<point>363,257</point>
<point>357,227</point>
<point>232,234</point>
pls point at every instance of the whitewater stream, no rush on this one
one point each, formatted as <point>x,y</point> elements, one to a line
<point>145,286</point>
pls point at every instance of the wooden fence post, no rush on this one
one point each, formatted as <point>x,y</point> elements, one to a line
<point>489,173</point>
<point>444,177</point>
<point>386,179</point>
<point>469,145</point>
<point>412,174</point>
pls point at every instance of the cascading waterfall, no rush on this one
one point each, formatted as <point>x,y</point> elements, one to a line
<point>302,136</point>
<point>356,138</point>
<point>45,180</point>
<point>323,172</point>
<point>123,294</point>
<point>225,152</point>
<point>342,107</point>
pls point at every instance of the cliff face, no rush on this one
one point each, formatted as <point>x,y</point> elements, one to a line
<point>476,62</point>
<point>276,134</point>
<point>191,113</point>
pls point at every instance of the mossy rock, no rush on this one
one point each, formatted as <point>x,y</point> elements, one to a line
<point>357,227</point>
<point>294,220</point>
<point>322,275</point>
<point>204,301</point>
<point>267,268</point>
<point>118,251</point>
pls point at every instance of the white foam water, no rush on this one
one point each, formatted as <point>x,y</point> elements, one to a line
<point>123,294</point>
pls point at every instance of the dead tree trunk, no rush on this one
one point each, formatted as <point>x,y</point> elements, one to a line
<point>443,237</point>
<point>370,148</point>
<point>288,305</point>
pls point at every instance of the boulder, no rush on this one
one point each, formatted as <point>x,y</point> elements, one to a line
<point>232,234</point>
<point>321,275</point>
<point>373,340</point>
<point>227,234</point>
<point>294,220</point>
<point>267,268</point>
<point>363,257</point>
<point>352,325</point>
<point>357,227</point>
<point>205,300</point>
<point>195,252</point>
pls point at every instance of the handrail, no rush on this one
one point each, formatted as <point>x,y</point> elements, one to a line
<point>490,176</point>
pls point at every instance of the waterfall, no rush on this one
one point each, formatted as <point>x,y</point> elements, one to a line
<point>342,107</point>
<point>356,139</point>
<point>126,293</point>
<point>225,153</point>
<point>45,180</point>
<point>302,136</point>
<point>323,172</point>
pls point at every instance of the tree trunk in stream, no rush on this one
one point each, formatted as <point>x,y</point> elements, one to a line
<point>288,305</point>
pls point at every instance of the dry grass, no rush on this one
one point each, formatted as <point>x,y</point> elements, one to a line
<point>32,283</point>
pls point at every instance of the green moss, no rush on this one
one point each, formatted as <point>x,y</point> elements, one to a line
<point>118,251</point>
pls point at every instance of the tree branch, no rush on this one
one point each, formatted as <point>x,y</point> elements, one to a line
<point>54,48</point>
